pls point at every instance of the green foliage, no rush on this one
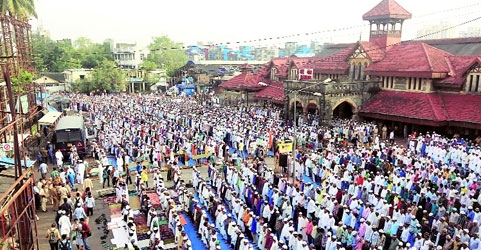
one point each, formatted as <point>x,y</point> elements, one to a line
<point>152,78</point>
<point>19,82</point>
<point>105,77</point>
<point>84,85</point>
<point>91,54</point>
<point>57,56</point>
<point>66,56</point>
<point>148,65</point>
<point>21,9</point>
<point>166,54</point>
<point>53,56</point>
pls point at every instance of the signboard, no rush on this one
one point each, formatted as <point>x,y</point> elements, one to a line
<point>285,146</point>
<point>7,147</point>
<point>306,74</point>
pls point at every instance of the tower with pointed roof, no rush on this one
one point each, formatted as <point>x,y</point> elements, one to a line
<point>386,20</point>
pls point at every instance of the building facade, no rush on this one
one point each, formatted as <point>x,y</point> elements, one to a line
<point>416,85</point>
<point>128,55</point>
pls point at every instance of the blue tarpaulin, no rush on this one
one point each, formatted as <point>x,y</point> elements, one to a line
<point>50,108</point>
<point>10,162</point>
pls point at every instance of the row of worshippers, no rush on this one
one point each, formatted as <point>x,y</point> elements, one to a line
<point>162,134</point>
<point>237,223</point>
<point>388,174</point>
<point>167,205</point>
<point>376,213</point>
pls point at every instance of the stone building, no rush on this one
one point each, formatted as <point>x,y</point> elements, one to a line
<point>415,85</point>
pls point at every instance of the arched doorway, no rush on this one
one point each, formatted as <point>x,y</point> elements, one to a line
<point>343,111</point>
<point>312,109</point>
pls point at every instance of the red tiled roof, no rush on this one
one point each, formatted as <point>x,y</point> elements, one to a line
<point>387,9</point>
<point>373,51</point>
<point>244,81</point>
<point>425,108</point>
<point>301,63</point>
<point>419,106</point>
<point>281,64</point>
<point>336,63</point>
<point>459,65</point>
<point>463,109</point>
<point>412,60</point>
<point>282,70</point>
<point>276,62</point>
<point>265,70</point>
<point>274,92</point>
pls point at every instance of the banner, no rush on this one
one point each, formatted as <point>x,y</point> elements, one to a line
<point>195,157</point>
<point>285,146</point>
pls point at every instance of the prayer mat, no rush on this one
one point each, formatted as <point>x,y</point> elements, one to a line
<point>141,225</point>
<point>112,161</point>
<point>134,202</point>
<point>182,220</point>
<point>115,208</point>
<point>154,198</point>
<point>109,200</point>
<point>191,232</point>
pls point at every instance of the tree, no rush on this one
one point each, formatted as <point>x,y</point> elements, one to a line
<point>65,57</point>
<point>91,54</point>
<point>105,77</point>
<point>43,56</point>
<point>57,56</point>
<point>166,54</point>
<point>21,9</point>
<point>152,77</point>
<point>148,65</point>
<point>19,82</point>
<point>84,85</point>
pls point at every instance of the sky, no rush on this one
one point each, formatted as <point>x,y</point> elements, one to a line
<point>215,21</point>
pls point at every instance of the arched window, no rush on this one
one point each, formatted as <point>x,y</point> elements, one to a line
<point>363,73</point>
<point>359,71</point>
<point>353,67</point>
<point>273,74</point>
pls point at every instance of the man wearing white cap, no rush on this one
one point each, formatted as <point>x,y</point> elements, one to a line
<point>244,244</point>
<point>286,209</point>
<point>372,238</point>
<point>212,243</point>
<point>303,245</point>
<point>220,218</point>
<point>154,234</point>
<point>331,243</point>
<point>292,242</point>
<point>286,232</point>
<point>80,172</point>
<point>382,239</point>
<point>64,223</point>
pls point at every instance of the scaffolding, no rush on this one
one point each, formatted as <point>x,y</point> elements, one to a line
<point>18,115</point>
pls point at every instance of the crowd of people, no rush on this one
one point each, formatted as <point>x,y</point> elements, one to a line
<point>348,185</point>
<point>69,192</point>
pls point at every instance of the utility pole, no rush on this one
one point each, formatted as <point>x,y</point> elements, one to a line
<point>294,141</point>
<point>13,113</point>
